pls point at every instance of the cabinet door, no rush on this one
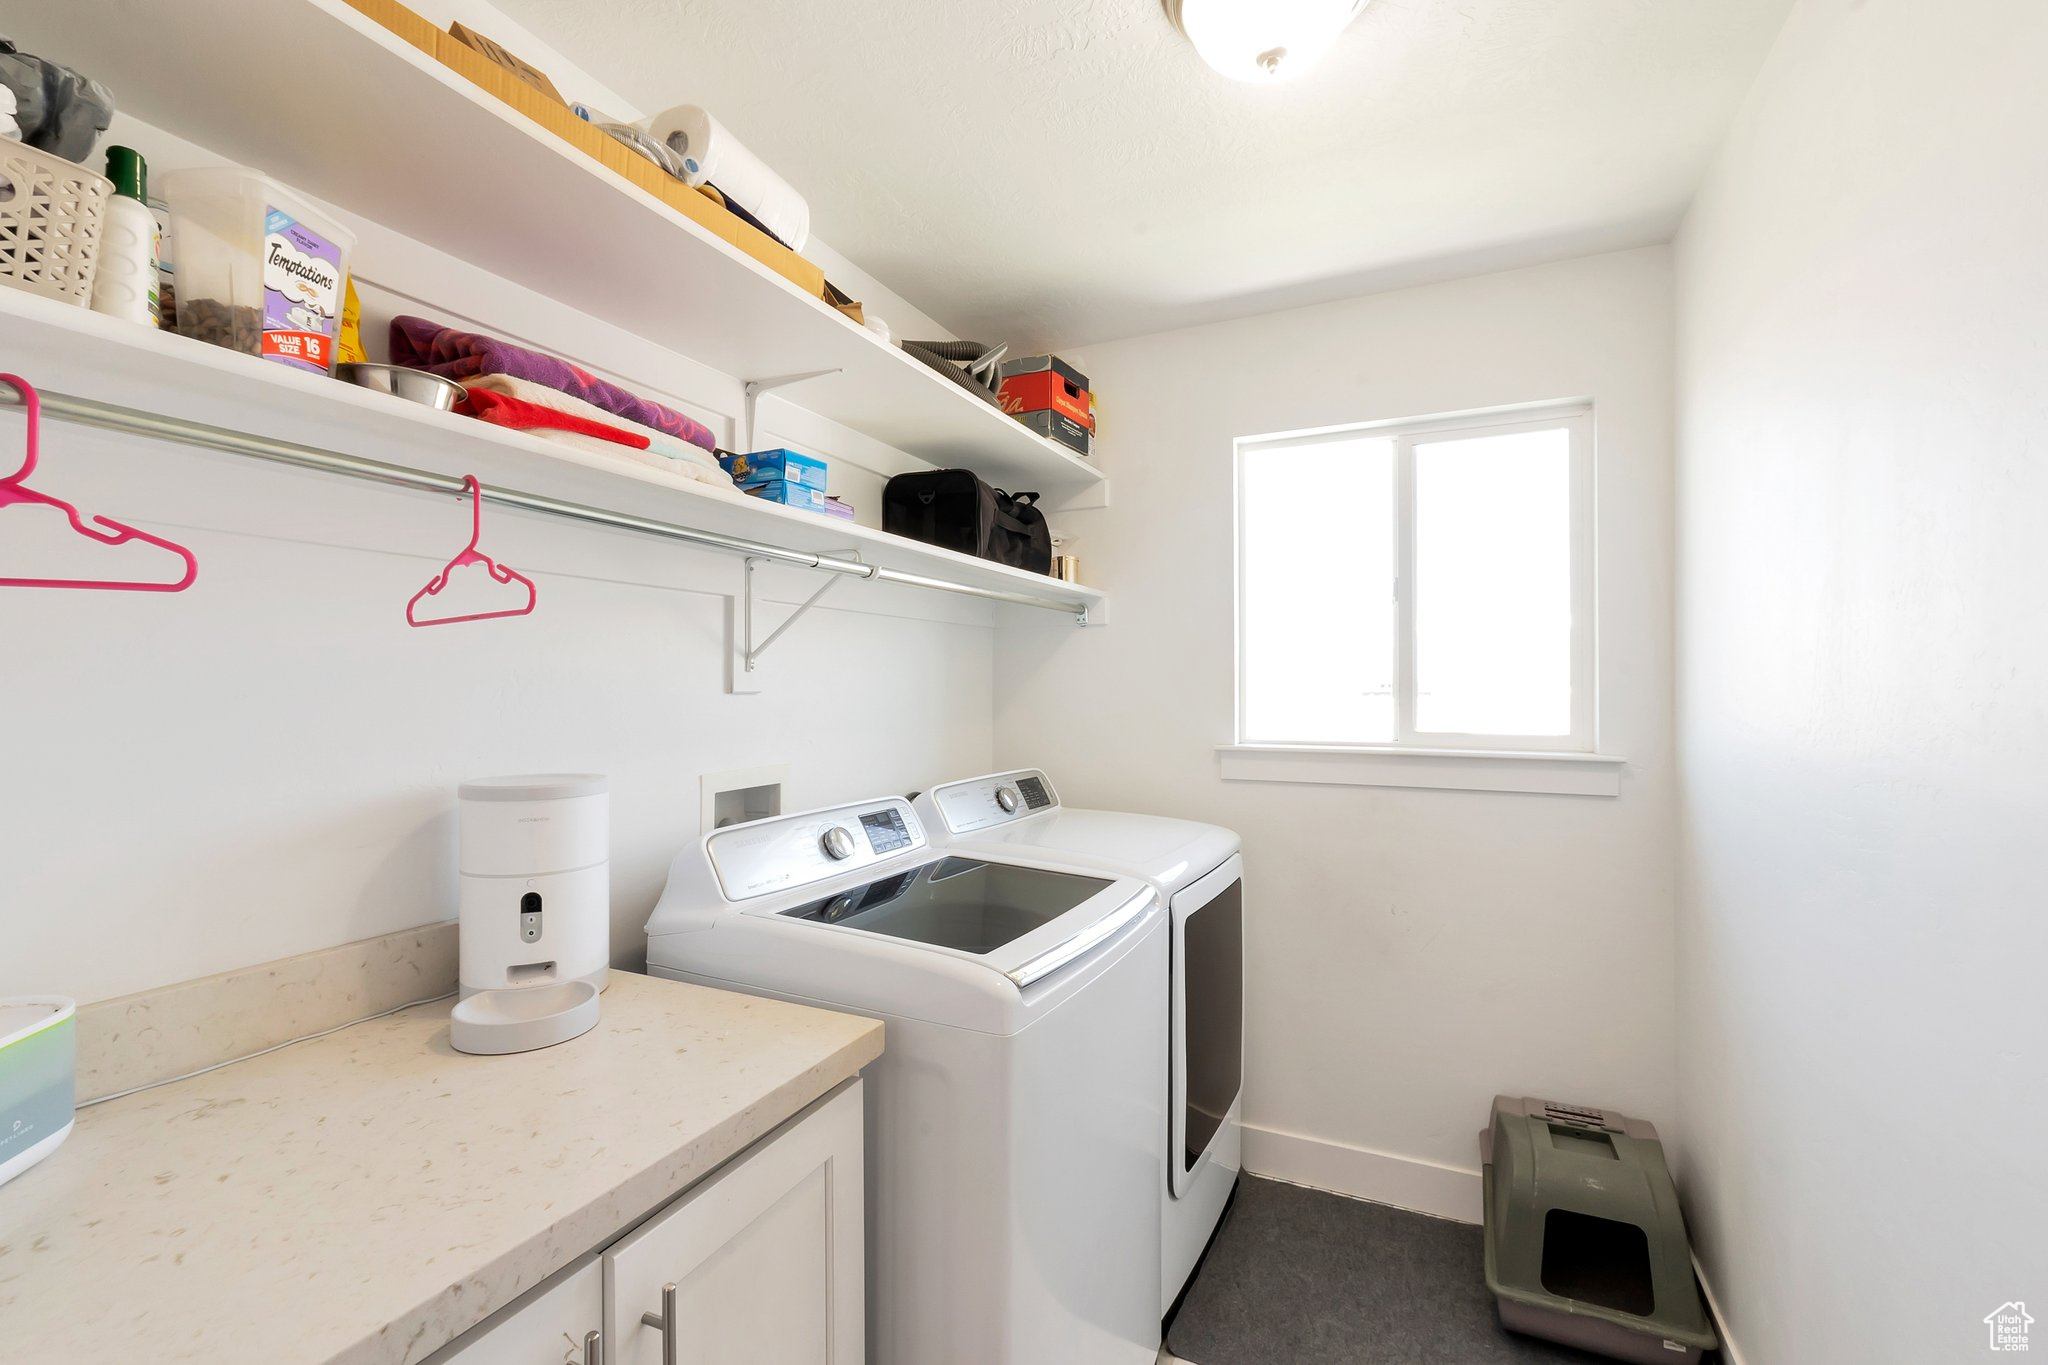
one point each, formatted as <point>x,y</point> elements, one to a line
<point>765,1255</point>
<point>547,1327</point>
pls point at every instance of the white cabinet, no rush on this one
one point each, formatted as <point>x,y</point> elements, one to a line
<point>759,1265</point>
<point>551,1326</point>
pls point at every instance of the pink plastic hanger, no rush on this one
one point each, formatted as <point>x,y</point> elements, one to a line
<point>12,491</point>
<point>471,555</point>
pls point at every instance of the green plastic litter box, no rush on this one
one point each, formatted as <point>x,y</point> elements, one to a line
<point>38,1066</point>
<point>1584,1241</point>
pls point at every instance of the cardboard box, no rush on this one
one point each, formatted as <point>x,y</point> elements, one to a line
<point>1040,364</point>
<point>400,20</point>
<point>764,466</point>
<point>799,496</point>
<point>845,303</point>
<point>1061,428</point>
<point>1046,390</point>
<point>508,59</point>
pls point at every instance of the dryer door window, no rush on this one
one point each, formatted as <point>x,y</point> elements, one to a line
<point>1212,979</point>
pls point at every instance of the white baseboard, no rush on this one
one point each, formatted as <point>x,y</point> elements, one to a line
<point>1361,1173</point>
<point>1731,1354</point>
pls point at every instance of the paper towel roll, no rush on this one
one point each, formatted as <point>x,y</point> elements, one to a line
<point>710,153</point>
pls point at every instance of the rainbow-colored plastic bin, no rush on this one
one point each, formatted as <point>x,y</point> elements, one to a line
<point>38,1066</point>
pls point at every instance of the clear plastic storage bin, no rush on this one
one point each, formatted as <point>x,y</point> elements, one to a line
<point>261,269</point>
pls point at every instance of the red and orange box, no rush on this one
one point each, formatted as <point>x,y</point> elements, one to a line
<point>1045,383</point>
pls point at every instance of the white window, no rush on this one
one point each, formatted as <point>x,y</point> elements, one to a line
<point>1420,585</point>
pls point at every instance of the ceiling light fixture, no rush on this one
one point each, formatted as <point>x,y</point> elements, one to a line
<point>1262,40</point>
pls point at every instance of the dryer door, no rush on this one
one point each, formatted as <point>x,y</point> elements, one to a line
<point>1208,1016</point>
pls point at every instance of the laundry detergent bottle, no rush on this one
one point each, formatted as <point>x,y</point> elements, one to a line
<point>124,283</point>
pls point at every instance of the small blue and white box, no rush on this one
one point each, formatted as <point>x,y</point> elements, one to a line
<point>764,466</point>
<point>38,1070</point>
<point>800,496</point>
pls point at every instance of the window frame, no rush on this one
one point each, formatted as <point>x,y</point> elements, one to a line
<point>1576,418</point>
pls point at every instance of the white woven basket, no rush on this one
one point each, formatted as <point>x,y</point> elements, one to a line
<point>50,213</point>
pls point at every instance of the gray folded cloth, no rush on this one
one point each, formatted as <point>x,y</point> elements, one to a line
<point>56,110</point>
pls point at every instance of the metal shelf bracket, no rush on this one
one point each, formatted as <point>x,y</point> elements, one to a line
<point>750,652</point>
<point>756,387</point>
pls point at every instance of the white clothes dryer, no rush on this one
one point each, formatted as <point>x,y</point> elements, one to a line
<point>1014,1125</point>
<point>1199,872</point>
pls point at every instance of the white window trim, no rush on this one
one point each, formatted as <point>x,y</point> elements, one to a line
<point>1547,773</point>
<point>1563,765</point>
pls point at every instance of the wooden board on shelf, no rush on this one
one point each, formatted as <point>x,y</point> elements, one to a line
<point>459,170</point>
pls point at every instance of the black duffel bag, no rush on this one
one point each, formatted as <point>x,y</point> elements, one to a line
<point>953,508</point>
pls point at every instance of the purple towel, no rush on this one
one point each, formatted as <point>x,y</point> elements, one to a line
<point>422,345</point>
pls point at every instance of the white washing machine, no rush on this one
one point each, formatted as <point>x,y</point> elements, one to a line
<point>1199,872</point>
<point>1015,1127</point>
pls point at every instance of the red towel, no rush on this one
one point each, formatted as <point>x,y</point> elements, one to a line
<point>520,415</point>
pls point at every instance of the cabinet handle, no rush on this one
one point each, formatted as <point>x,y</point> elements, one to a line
<point>593,1348</point>
<point>665,1322</point>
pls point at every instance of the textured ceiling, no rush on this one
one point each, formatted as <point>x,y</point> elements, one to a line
<point>1067,171</point>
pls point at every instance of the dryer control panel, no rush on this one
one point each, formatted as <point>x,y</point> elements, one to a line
<point>985,802</point>
<point>796,850</point>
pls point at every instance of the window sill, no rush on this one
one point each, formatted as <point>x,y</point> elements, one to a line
<point>1485,770</point>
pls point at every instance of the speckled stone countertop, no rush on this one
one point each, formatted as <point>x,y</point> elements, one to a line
<point>364,1198</point>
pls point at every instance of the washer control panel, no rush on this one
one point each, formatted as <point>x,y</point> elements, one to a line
<point>796,850</point>
<point>887,829</point>
<point>984,802</point>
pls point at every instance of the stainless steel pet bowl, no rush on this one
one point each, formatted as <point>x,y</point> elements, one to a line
<point>416,386</point>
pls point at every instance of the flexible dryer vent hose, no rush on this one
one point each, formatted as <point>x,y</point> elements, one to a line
<point>970,364</point>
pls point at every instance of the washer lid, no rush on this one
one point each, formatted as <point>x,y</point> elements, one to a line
<point>1025,922</point>
<point>533,787</point>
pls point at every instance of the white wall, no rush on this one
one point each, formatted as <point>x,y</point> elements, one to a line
<point>1864,418</point>
<point>1410,953</point>
<point>266,764</point>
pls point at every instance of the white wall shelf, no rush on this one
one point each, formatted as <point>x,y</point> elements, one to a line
<point>407,143</point>
<point>106,361</point>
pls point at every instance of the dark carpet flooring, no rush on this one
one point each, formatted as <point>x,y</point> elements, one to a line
<point>1300,1277</point>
